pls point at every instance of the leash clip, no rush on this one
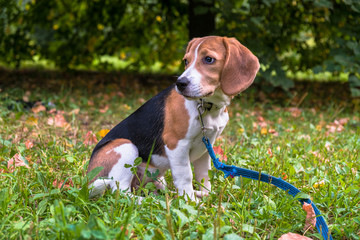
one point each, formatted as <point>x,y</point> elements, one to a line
<point>201,109</point>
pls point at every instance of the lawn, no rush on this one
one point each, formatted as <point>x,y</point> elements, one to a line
<point>309,137</point>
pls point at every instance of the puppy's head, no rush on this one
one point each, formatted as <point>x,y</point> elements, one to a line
<point>216,62</point>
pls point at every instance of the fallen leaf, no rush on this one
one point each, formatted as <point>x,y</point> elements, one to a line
<point>31,121</point>
<point>141,100</point>
<point>343,121</point>
<point>240,130</point>
<point>120,94</point>
<point>57,183</point>
<point>104,109</point>
<point>337,125</point>
<point>273,132</point>
<point>90,103</point>
<point>284,176</point>
<point>219,151</point>
<point>328,146</point>
<point>263,131</point>
<point>74,111</point>
<point>103,132</point>
<point>318,155</point>
<point>126,107</point>
<point>260,118</point>
<point>38,107</point>
<point>29,144</point>
<point>58,121</point>
<point>90,138</point>
<point>293,236</point>
<point>295,112</point>
<point>310,221</point>
<point>16,161</point>
<point>51,111</point>
<point>26,96</point>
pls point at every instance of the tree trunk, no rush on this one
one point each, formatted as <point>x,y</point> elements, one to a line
<point>201,18</point>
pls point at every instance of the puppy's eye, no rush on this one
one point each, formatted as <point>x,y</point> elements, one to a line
<point>209,60</point>
<point>186,62</point>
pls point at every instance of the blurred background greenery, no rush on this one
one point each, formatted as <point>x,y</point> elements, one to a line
<point>294,39</point>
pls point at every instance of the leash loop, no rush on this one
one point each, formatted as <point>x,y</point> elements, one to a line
<point>233,171</point>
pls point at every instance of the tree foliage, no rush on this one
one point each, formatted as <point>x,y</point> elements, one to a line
<point>71,32</point>
<point>287,36</point>
<point>322,35</point>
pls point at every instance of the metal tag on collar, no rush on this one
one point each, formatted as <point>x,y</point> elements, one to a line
<point>200,107</point>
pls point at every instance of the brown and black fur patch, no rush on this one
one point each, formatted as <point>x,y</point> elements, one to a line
<point>176,121</point>
<point>106,157</point>
<point>144,128</point>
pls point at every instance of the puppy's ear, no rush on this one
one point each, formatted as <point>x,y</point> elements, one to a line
<point>239,69</point>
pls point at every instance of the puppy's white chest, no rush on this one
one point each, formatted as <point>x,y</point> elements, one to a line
<point>214,122</point>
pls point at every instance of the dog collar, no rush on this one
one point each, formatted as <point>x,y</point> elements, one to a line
<point>204,106</point>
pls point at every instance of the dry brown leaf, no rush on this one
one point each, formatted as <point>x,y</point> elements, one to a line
<point>104,109</point>
<point>58,121</point>
<point>90,138</point>
<point>318,155</point>
<point>57,183</point>
<point>52,111</point>
<point>26,96</point>
<point>16,161</point>
<point>293,236</point>
<point>310,221</point>
<point>38,107</point>
<point>343,121</point>
<point>273,132</point>
<point>141,100</point>
<point>337,126</point>
<point>120,94</point>
<point>295,112</point>
<point>29,144</point>
<point>284,176</point>
<point>219,151</point>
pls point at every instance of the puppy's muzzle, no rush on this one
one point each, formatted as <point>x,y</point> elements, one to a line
<point>182,83</point>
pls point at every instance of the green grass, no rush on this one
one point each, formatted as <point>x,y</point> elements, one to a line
<point>33,206</point>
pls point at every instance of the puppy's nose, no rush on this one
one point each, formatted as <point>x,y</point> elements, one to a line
<point>182,83</point>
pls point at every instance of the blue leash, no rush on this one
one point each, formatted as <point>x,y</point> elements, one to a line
<point>277,182</point>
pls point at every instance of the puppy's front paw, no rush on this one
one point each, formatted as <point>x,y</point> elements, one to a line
<point>201,194</point>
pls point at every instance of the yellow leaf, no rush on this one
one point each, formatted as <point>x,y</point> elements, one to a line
<point>100,27</point>
<point>122,55</point>
<point>31,121</point>
<point>240,130</point>
<point>263,131</point>
<point>158,18</point>
<point>126,107</point>
<point>102,133</point>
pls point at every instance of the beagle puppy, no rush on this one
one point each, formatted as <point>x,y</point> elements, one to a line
<point>167,130</point>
